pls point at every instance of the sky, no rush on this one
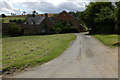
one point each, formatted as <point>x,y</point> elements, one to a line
<point>42,6</point>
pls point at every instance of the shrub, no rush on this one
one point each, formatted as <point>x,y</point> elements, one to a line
<point>58,30</point>
<point>10,21</point>
<point>19,21</point>
<point>65,27</point>
<point>15,30</point>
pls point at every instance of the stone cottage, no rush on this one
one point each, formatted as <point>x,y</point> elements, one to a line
<point>41,24</point>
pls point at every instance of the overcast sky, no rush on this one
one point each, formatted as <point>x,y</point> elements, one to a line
<point>41,6</point>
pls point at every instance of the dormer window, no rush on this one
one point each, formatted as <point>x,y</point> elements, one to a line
<point>26,22</point>
<point>33,22</point>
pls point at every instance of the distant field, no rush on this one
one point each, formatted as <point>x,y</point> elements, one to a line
<point>109,40</point>
<point>20,53</point>
<point>6,19</point>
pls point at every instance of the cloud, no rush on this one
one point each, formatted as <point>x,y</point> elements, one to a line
<point>7,8</point>
<point>51,8</point>
<point>42,6</point>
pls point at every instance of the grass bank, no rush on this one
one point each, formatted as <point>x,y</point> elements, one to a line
<point>23,52</point>
<point>109,40</point>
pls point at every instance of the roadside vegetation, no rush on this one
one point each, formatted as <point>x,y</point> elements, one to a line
<point>100,17</point>
<point>109,40</point>
<point>21,53</point>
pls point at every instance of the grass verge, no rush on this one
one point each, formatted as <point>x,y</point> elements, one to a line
<point>23,52</point>
<point>109,40</point>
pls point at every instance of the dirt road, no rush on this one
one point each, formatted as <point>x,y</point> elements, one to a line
<point>85,58</point>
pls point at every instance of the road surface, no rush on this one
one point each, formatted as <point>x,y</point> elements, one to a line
<point>85,58</point>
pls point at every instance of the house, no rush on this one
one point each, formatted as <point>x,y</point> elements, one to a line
<point>41,24</point>
<point>65,17</point>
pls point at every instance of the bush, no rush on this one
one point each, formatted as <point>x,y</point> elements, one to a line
<point>19,21</point>
<point>10,21</point>
<point>60,27</point>
<point>58,30</point>
<point>15,30</point>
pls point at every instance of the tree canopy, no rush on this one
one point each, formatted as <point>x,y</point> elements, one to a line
<point>100,17</point>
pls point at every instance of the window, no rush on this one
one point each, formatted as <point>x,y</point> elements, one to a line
<point>26,22</point>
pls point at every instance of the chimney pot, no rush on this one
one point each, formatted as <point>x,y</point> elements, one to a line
<point>46,15</point>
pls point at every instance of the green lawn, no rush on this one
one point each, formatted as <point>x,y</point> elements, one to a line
<point>27,51</point>
<point>6,19</point>
<point>109,40</point>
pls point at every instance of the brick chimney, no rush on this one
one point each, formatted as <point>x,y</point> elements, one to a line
<point>46,15</point>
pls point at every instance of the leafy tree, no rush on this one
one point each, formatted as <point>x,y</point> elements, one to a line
<point>117,17</point>
<point>24,12</point>
<point>98,15</point>
<point>3,15</point>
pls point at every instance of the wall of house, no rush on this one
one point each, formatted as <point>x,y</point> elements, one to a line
<point>45,25</point>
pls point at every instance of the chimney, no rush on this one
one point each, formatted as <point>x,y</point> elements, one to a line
<point>46,15</point>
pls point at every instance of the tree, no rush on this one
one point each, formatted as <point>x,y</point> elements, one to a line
<point>96,14</point>
<point>117,17</point>
<point>24,12</point>
<point>3,15</point>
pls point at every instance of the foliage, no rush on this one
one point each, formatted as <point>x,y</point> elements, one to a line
<point>99,16</point>
<point>57,28</point>
<point>19,21</point>
<point>118,17</point>
<point>3,15</point>
<point>8,19</point>
<point>19,53</point>
<point>65,27</point>
<point>15,30</point>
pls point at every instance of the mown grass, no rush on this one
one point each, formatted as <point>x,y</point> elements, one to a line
<point>109,40</point>
<point>20,53</point>
<point>6,19</point>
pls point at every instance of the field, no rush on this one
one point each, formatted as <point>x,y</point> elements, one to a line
<point>6,19</point>
<point>109,40</point>
<point>20,53</point>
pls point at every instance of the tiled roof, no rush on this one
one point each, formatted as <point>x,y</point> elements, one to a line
<point>36,19</point>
